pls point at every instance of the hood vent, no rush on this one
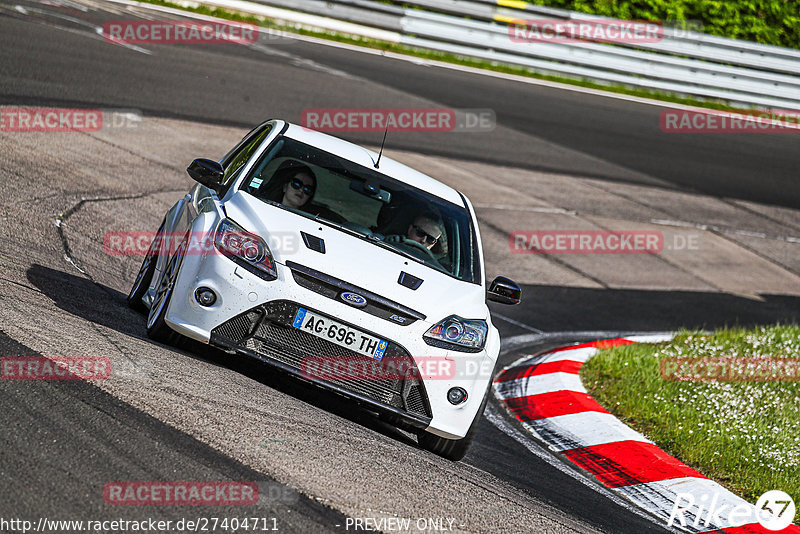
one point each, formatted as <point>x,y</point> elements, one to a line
<point>409,280</point>
<point>313,242</point>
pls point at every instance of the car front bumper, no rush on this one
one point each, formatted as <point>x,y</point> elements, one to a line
<point>240,292</point>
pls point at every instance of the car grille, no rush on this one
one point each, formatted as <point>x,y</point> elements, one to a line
<point>332,288</point>
<point>267,332</point>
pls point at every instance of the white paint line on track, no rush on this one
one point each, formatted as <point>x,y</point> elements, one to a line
<point>302,19</point>
<point>572,355</point>
<point>651,338</point>
<point>460,68</point>
<point>659,222</point>
<point>119,42</point>
<point>658,500</point>
<point>709,496</point>
<point>535,209</point>
<point>517,323</point>
<point>583,429</point>
<point>538,384</point>
<point>686,504</point>
<point>513,343</point>
<point>723,230</point>
<point>650,501</point>
<point>93,30</point>
<point>536,449</point>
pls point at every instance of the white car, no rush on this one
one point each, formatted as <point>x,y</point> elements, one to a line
<point>337,265</point>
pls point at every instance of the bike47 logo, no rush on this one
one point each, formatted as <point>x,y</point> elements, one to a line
<point>774,510</point>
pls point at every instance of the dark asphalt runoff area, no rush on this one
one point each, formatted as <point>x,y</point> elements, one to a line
<point>237,85</point>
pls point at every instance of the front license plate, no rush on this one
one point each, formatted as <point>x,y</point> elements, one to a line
<point>342,335</point>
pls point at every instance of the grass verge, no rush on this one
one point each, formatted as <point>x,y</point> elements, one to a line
<point>743,434</point>
<point>446,57</point>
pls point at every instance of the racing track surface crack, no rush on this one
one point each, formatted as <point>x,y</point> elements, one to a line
<point>60,223</point>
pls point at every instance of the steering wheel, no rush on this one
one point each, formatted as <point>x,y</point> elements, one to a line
<point>419,246</point>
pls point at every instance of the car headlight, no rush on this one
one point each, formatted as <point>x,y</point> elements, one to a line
<point>458,334</point>
<point>246,249</point>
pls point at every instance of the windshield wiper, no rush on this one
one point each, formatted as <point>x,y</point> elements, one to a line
<point>338,226</point>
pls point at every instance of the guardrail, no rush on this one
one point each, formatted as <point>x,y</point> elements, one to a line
<point>681,61</point>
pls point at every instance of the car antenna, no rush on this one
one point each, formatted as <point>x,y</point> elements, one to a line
<point>377,163</point>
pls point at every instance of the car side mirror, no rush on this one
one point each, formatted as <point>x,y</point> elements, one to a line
<point>208,172</point>
<point>504,291</point>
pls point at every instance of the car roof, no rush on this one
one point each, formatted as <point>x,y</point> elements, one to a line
<point>362,156</point>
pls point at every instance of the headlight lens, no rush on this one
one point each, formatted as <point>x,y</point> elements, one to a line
<point>246,249</point>
<point>458,334</point>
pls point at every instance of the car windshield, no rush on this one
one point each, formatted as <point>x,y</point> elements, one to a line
<point>363,202</point>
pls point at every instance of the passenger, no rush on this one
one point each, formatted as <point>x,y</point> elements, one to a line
<point>300,188</point>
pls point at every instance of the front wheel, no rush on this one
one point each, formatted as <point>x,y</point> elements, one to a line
<point>145,275</point>
<point>452,449</point>
<point>157,328</point>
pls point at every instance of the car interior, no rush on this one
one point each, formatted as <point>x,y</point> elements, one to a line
<point>344,201</point>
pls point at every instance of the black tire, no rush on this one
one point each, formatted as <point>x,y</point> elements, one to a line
<point>453,449</point>
<point>157,328</point>
<point>145,275</point>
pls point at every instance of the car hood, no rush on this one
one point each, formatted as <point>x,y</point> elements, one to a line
<point>357,261</point>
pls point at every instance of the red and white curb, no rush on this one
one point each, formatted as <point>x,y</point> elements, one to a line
<point>546,395</point>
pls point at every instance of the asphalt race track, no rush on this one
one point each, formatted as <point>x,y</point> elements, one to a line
<point>557,158</point>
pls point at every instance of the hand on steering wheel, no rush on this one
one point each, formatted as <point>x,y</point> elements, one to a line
<point>416,244</point>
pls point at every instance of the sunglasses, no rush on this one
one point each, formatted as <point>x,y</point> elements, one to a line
<point>299,185</point>
<point>422,234</point>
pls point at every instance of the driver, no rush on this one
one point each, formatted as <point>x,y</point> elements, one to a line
<point>424,232</point>
<point>426,229</point>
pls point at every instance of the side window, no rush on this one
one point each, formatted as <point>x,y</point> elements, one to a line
<point>240,155</point>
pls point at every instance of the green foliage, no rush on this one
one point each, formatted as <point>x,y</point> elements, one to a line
<point>774,22</point>
<point>741,433</point>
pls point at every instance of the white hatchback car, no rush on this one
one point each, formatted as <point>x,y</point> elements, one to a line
<point>339,266</point>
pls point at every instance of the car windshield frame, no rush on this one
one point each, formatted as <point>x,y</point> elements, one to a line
<point>461,261</point>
